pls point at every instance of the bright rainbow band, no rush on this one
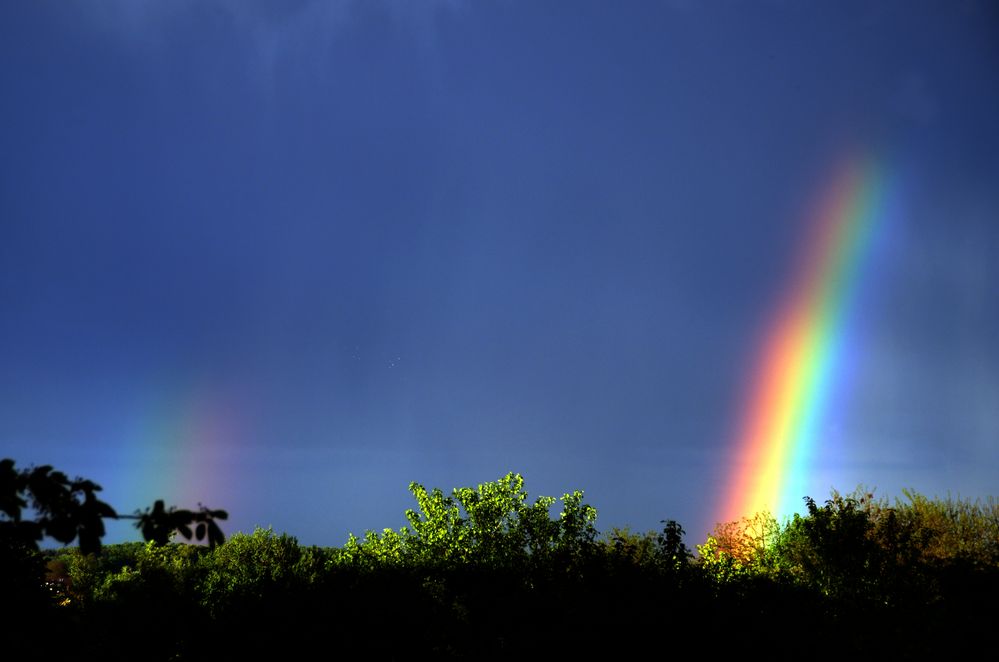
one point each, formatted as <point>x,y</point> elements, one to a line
<point>802,351</point>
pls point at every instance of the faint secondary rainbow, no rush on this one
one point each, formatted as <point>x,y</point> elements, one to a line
<point>804,349</point>
<point>181,449</point>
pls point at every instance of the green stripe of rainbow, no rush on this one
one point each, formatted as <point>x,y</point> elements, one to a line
<point>790,387</point>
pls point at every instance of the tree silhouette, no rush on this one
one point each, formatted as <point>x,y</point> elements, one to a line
<point>67,510</point>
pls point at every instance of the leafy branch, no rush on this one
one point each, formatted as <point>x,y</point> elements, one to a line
<point>67,509</point>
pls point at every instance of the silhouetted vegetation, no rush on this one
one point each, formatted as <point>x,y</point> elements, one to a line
<point>487,573</point>
<point>66,509</point>
<point>40,502</point>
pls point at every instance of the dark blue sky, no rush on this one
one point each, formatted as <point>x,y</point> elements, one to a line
<point>284,258</point>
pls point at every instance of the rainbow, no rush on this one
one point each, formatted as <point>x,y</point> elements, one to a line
<point>181,448</point>
<point>804,349</point>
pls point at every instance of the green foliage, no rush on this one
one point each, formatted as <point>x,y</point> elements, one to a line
<point>625,548</point>
<point>674,555</point>
<point>493,525</point>
<point>439,532</point>
<point>157,571</point>
<point>858,553</point>
<point>833,549</point>
<point>486,571</point>
<point>951,529</point>
<point>662,553</point>
<point>375,551</point>
<point>250,568</point>
<point>149,597</point>
<point>747,548</point>
<point>717,563</point>
<point>576,531</point>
